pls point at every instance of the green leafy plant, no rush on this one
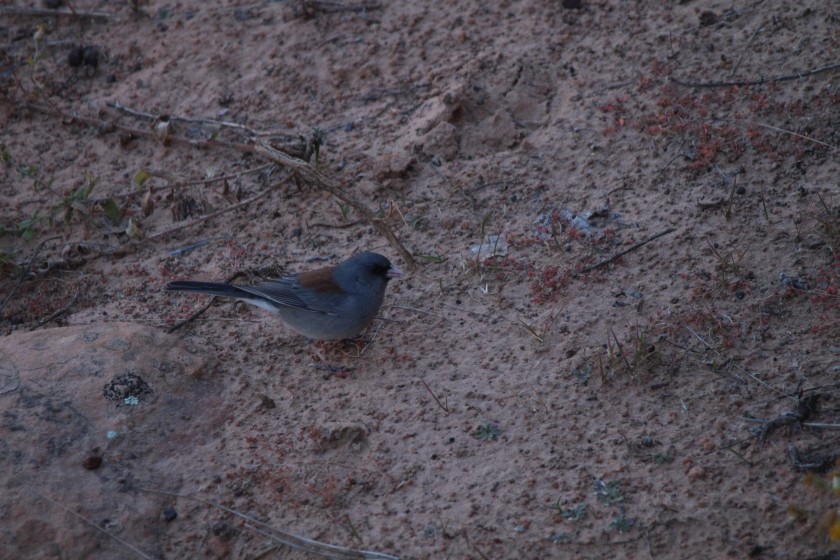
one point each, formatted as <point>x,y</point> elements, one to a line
<point>26,228</point>
<point>662,457</point>
<point>621,523</point>
<point>609,492</point>
<point>487,432</point>
<point>77,201</point>
<point>575,513</point>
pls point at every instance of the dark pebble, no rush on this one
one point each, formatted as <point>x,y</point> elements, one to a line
<point>169,514</point>
<point>708,18</point>
<point>76,57</point>
<point>90,54</point>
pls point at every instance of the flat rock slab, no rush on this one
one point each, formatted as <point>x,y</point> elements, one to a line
<point>88,414</point>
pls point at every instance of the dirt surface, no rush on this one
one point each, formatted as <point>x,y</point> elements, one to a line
<point>620,338</point>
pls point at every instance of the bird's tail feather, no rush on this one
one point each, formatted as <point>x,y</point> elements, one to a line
<point>208,288</point>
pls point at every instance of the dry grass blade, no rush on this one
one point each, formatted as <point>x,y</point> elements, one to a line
<point>782,130</point>
<point>742,370</point>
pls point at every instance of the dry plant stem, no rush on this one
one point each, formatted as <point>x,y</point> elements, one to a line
<point>55,314</point>
<point>209,180</point>
<point>37,12</point>
<point>175,181</point>
<point>475,548</point>
<point>210,216</point>
<point>330,7</point>
<point>131,547</point>
<point>152,117</point>
<point>744,50</point>
<point>437,400</point>
<point>137,132</point>
<point>785,78</point>
<point>250,132</point>
<point>633,248</point>
<point>289,539</point>
<point>298,165</point>
<point>312,175</point>
<point>25,271</point>
<point>749,373</point>
<point>821,425</point>
<point>192,317</point>
<point>792,133</point>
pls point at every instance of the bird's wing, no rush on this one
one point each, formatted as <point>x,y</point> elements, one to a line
<point>287,292</point>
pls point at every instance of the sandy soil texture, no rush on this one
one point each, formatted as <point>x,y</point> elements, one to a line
<point>619,334</point>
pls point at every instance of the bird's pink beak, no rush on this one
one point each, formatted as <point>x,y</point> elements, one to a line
<point>393,272</point>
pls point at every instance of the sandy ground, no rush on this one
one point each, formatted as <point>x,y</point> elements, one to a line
<point>618,338</point>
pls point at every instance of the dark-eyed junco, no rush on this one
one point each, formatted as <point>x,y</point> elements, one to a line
<point>330,303</point>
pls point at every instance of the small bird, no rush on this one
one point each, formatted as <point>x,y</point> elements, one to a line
<point>330,303</point>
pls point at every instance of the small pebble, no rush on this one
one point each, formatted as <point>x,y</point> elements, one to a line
<point>90,54</point>
<point>75,57</point>
<point>696,473</point>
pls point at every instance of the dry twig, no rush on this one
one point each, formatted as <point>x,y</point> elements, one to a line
<point>785,78</point>
<point>633,248</point>
<point>55,314</point>
<point>38,12</point>
<point>311,174</point>
<point>210,215</point>
<point>25,271</point>
<point>283,537</point>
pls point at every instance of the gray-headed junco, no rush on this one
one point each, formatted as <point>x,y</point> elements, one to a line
<point>330,303</point>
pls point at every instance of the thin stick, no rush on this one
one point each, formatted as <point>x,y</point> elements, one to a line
<point>333,7</point>
<point>437,400</point>
<point>149,116</point>
<point>25,271</point>
<point>633,248</point>
<point>174,180</point>
<point>736,366</point>
<point>55,314</point>
<point>138,132</point>
<point>821,425</point>
<point>210,215</point>
<point>785,78</point>
<point>792,133</point>
<point>744,50</point>
<point>37,12</point>
<point>286,538</point>
<point>192,317</point>
<point>94,525</point>
<point>313,175</point>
